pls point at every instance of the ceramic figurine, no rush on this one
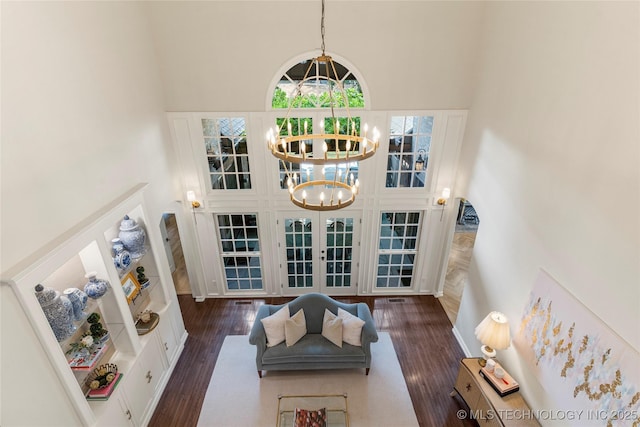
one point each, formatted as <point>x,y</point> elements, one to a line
<point>133,236</point>
<point>78,301</point>
<point>95,288</point>
<point>58,310</point>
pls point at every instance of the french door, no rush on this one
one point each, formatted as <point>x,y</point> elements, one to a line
<point>319,252</point>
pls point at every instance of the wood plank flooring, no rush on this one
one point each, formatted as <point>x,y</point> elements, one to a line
<point>419,328</point>
<point>457,272</point>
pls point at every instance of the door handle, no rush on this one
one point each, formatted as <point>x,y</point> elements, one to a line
<point>321,258</point>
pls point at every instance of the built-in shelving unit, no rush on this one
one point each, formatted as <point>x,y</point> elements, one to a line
<point>146,361</point>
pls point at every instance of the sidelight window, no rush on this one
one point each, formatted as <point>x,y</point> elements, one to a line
<point>241,254</point>
<point>397,249</point>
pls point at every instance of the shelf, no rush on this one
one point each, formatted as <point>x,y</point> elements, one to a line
<point>63,264</point>
<point>135,262</point>
<point>144,328</point>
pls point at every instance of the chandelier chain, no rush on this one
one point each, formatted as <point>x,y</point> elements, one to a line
<point>322,28</point>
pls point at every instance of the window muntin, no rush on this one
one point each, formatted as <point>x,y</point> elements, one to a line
<point>225,140</point>
<point>397,249</point>
<point>409,144</point>
<point>241,254</point>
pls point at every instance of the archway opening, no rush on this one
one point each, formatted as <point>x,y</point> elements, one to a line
<point>464,238</point>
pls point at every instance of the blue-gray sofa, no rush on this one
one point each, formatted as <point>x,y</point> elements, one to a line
<point>313,351</point>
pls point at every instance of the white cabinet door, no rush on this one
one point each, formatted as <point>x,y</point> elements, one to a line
<point>167,335</point>
<point>143,379</point>
<point>115,411</point>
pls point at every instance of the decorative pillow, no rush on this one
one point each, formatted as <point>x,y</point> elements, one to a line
<point>310,418</point>
<point>274,326</point>
<point>332,328</point>
<point>295,328</point>
<point>351,328</point>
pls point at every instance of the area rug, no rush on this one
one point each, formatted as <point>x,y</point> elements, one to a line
<point>236,396</point>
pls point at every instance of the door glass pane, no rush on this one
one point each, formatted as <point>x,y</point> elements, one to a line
<point>397,249</point>
<point>298,242</point>
<point>339,235</point>
<point>238,236</point>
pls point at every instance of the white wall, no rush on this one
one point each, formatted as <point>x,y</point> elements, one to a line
<point>82,122</point>
<point>223,55</point>
<point>551,161</point>
<point>82,117</point>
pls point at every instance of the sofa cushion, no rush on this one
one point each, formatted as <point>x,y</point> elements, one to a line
<point>312,348</point>
<point>274,326</point>
<point>295,328</point>
<point>351,327</point>
<point>332,328</point>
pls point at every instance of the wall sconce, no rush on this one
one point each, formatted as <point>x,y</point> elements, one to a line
<point>420,160</point>
<point>493,333</point>
<point>446,193</point>
<point>442,201</point>
<point>191,196</point>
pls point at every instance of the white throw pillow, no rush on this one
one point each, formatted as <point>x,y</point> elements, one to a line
<point>295,328</point>
<point>332,328</point>
<point>351,327</point>
<point>274,326</point>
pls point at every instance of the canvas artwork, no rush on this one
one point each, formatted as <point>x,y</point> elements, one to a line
<point>591,372</point>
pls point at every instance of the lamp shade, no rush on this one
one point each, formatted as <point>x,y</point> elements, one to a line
<point>493,331</point>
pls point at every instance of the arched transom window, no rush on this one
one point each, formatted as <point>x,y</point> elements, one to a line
<point>315,89</point>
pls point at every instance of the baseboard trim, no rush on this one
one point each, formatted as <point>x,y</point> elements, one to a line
<point>463,345</point>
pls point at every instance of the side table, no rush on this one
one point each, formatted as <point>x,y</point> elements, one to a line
<point>485,404</point>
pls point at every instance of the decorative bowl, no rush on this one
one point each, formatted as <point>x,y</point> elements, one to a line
<point>102,376</point>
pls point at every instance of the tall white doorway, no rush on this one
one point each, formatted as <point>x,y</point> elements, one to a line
<point>319,252</point>
<point>173,248</point>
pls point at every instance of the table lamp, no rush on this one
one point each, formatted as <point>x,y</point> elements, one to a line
<point>493,333</point>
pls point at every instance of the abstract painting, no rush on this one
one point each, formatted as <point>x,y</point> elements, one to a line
<point>583,365</point>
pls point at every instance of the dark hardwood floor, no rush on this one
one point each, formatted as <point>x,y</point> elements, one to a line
<point>419,328</point>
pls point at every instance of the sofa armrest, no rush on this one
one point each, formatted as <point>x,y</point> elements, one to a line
<point>369,333</point>
<point>258,336</point>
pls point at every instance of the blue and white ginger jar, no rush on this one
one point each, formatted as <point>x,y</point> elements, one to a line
<point>78,301</point>
<point>133,236</point>
<point>58,310</point>
<point>95,288</point>
<point>121,256</point>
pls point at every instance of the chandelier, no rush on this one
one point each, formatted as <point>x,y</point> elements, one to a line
<point>329,192</point>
